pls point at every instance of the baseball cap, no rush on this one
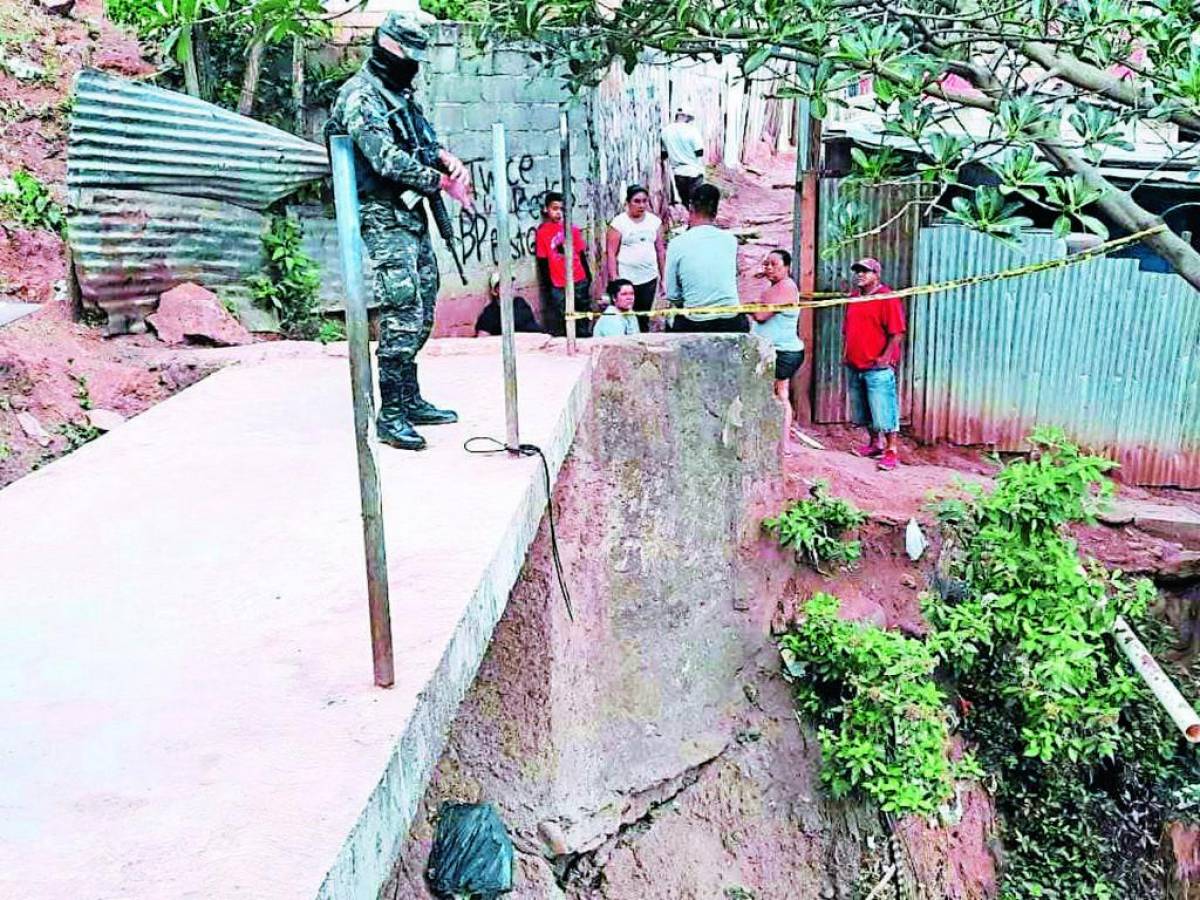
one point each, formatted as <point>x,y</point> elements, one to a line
<point>867,265</point>
<point>409,33</point>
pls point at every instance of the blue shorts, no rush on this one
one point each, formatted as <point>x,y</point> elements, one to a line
<point>873,399</point>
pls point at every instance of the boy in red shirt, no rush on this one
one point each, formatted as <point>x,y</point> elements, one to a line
<point>872,331</point>
<point>550,248</point>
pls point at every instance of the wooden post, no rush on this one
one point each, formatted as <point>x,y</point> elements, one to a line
<point>508,349</point>
<point>345,195</point>
<point>804,241</point>
<point>564,150</point>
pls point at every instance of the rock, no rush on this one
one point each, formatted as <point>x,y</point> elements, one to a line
<point>191,313</point>
<point>1115,513</point>
<point>1175,523</point>
<point>105,419</point>
<point>1181,565</point>
<point>553,838</point>
<point>908,581</point>
<point>33,429</point>
<point>21,69</point>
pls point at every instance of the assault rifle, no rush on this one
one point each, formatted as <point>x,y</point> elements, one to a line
<point>418,130</point>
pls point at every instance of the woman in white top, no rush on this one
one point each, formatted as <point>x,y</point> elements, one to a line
<point>636,250</point>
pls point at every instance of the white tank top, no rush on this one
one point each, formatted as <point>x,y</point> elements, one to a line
<point>637,259</point>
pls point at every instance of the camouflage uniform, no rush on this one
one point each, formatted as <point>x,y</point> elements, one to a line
<point>395,157</point>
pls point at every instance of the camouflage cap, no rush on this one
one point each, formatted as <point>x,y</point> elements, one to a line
<point>408,32</point>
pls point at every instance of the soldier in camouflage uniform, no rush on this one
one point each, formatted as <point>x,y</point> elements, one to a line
<point>400,167</point>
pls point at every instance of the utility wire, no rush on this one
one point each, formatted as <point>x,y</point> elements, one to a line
<point>495,446</point>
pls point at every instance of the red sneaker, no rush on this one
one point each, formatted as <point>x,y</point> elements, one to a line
<point>888,461</point>
<point>870,451</point>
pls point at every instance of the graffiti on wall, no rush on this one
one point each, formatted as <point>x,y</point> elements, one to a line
<point>478,238</point>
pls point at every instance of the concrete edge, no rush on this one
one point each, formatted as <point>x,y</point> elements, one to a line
<point>365,860</point>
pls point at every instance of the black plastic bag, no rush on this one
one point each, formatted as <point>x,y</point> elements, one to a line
<point>472,855</point>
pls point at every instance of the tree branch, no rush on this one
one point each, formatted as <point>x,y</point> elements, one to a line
<point>1097,81</point>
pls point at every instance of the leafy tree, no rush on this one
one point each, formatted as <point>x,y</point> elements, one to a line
<point>180,26</point>
<point>1056,83</point>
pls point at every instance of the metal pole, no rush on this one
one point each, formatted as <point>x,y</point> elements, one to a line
<point>345,194</point>
<point>508,347</point>
<point>564,149</point>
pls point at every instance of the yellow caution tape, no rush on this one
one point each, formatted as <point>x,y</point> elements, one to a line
<point>919,290</point>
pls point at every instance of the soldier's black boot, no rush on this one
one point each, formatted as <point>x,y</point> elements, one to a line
<point>420,411</point>
<point>393,425</point>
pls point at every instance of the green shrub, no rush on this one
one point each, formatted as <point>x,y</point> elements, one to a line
<point>290,285</point>
<point>815,527</point>
<point>880,717</point>
<point>142,15</point>
<point>331,331</point>
<point>457,10</point>
<point>1086,765</point>
<point>29,203</point>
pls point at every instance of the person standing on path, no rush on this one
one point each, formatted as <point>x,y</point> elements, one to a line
<point>702,268</point>
<point>683,147</point>
<point>551,250</point>
<point>782,329</point>
<point>872,331</point>
<point>401,168</point>
<point>637,251</point>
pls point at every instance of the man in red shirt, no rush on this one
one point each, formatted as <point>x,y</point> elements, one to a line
<point>872,333</point>
<point>550,248</point>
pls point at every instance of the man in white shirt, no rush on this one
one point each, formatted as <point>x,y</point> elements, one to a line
<point>684,148</point>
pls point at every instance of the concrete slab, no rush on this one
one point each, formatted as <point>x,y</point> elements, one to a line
<point>10,312</point>
<point>185,672</point>
<point>1173,522</point>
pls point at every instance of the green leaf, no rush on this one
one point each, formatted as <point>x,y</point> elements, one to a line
<point>757,59</point>
<point>1092,224</point>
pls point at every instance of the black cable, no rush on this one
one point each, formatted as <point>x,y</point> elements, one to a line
<point>533,450</point>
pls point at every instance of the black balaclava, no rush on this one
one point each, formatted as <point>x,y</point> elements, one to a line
<point>395,72</point>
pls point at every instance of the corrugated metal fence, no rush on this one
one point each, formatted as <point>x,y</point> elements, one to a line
<point>1105,351</point>
<point>167,188</point>
<point>894,246</point>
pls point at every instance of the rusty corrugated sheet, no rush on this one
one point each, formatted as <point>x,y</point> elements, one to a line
<point>1101,349</point>
<point>130,246</point>
<point>894,247</point>
<point>129,136</point>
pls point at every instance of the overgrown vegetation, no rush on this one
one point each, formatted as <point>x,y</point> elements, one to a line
<point>290,285</point>
<point>1084,765</point>
<point>457,10</point>
<point>816,527</point>
<point>28,203</point>
<point>237,53</point>
<point>77,434</point>
<point>331,331</point>
<point>881,719</point>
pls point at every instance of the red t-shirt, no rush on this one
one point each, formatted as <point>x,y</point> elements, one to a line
<point>869,324</point>
<point>548,244</point>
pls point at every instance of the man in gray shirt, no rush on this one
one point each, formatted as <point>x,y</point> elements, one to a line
<point>702,268</point>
